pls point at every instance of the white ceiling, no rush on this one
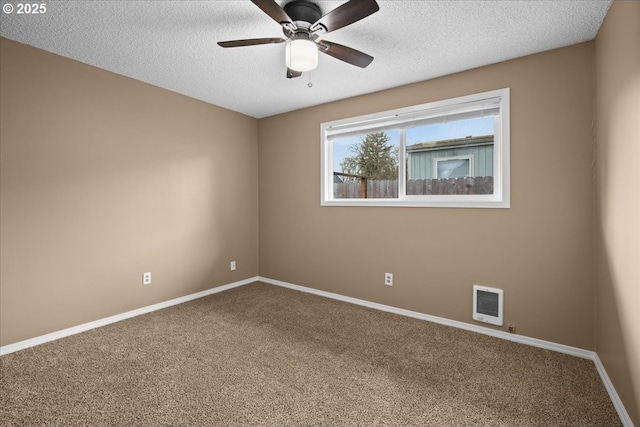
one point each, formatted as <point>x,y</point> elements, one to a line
<point>172,44</point>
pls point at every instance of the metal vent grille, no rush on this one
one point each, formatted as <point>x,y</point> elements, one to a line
<point>488,303</point>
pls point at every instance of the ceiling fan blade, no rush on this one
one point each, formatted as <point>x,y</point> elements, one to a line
<point>251,42</point>
<point>346,14</point>
<point>273,9</point>
<point>293,73</point>
<point>346,54</point>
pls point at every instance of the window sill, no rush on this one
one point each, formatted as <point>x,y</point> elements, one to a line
<point>437,202</point>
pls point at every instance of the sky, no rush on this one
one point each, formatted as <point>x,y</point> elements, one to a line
<point>436,132</point>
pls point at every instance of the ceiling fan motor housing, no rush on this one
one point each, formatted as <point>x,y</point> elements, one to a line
<point>303,11</point>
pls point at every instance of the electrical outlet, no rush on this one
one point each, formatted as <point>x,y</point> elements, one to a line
<point>232,265</point>
<point>146,278</point>
<point>388,279</point>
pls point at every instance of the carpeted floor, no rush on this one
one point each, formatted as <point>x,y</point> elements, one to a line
<point>264,355</point>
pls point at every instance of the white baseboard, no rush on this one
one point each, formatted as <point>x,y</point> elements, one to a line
<point>535,342</point>
<point>617,403</point>
<point>561,348</point>
<point>118,317</point>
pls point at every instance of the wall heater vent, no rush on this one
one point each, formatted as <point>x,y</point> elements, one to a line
<point>487,304</point>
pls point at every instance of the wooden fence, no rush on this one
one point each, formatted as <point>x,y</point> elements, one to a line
<point>388,189</point>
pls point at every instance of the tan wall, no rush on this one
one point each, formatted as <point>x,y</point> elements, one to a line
<point>540,251</point>
<point>104,178</point>
<point>618,200</point>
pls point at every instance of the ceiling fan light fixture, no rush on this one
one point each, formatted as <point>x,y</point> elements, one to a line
<point>301,55</point>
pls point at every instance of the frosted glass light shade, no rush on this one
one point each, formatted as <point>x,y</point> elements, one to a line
<point>301,55</point>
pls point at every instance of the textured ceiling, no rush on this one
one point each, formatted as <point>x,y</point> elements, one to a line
<point>172,44</point>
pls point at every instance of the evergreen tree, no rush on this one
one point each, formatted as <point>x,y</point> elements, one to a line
<point>373,158</point>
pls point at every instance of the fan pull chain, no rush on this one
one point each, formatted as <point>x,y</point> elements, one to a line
<point>310,84</point>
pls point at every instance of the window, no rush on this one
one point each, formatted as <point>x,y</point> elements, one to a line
<point>451,153</point>
<point>453,167</point>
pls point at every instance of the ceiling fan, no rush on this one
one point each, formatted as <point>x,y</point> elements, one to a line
<point>303,24</point>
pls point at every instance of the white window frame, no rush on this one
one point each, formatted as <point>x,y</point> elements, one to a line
<point>469,157</point>
<point>397,119</point>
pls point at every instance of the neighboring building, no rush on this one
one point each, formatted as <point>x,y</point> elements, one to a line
<point>451,158</point>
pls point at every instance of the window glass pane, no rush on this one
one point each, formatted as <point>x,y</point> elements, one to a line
<point>451,130</point>
<point>451,157</point>
<point>366,166</point>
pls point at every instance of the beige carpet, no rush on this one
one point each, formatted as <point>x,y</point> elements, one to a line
<point>264,355</point>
